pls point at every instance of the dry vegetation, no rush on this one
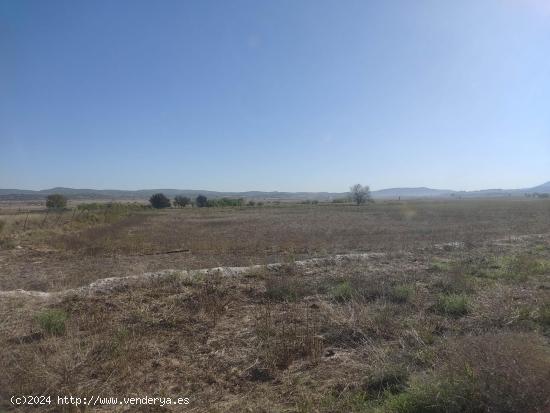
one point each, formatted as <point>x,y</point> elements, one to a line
<point>451,315</point>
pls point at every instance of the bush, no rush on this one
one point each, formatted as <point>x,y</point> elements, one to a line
<point>52,321</point>
<point>56,201</point>
<point>159,201</point>
<point>201,201</point>
<point>225,202</point>
<point>251,203</point>
<point>181,201</point>
<point>455,305</point>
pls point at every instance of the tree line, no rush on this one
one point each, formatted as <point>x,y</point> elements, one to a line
<point>358,193</point>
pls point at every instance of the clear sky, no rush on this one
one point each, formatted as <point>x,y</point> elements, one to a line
<point>274,94</point>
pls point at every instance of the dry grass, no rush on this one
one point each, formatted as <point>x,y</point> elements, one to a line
<point>67,252</point>
<point>421,328</point>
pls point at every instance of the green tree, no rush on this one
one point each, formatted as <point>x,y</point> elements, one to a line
<point>56,201</point>
<point>360,194</point>
<point>159,201</point>
<point>181,201</point>
<point>201,201</point>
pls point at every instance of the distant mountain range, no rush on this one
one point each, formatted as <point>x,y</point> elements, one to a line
<point>391,193</point>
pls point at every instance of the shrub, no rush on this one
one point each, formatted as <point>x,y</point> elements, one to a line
<point>181,201</point>
<point>52,321</point>
<point>56,201</point>
<point>201,201</point>
<point>159,201</point>
<point>251,203</point>
<point>455,305</point>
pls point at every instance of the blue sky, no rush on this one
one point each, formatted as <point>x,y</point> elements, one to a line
<point>274,95</point>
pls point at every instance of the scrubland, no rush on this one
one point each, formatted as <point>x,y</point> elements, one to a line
<point>430,306</point>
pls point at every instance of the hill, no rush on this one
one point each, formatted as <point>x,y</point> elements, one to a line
<point>389,193</point>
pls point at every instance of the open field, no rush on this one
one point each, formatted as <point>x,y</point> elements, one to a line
<point>431,306</point>
<point>68,249</point>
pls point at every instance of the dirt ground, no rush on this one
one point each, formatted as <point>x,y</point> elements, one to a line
<point>447,310</point>
<point>56,253</point>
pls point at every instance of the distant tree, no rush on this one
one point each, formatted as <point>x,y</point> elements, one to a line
<point>360,194</point>
<point>159,201</point>
<point>181,201</point>
<point>56,201</point>
<point>201,201</point>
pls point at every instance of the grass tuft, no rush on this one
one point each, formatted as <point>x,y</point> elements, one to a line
<point>401,293</point>
<point>455,305</point>
<point>52,321</point>
<point>342,292</point>
<point>392,380</point>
